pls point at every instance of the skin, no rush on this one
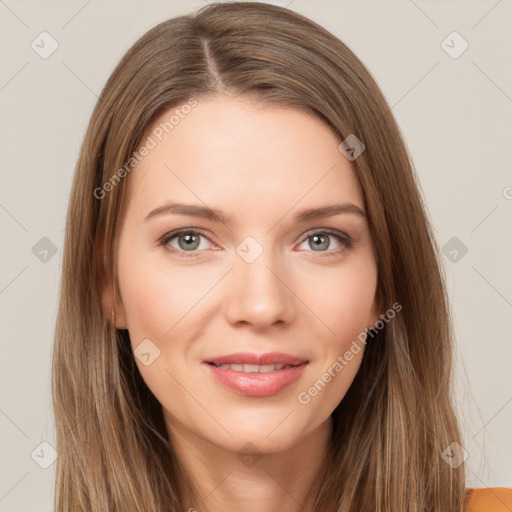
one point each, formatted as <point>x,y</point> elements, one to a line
<point>261,165</point>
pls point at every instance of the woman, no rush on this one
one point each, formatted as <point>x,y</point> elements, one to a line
<point>252,315</point>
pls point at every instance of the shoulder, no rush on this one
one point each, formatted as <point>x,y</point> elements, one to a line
<point>489,499</point>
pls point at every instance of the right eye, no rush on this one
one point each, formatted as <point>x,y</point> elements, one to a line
<point>185,241</point>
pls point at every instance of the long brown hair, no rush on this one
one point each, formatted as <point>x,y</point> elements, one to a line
<point>397,417</point>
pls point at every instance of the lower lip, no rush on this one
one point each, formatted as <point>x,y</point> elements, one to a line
<point>257,384</point>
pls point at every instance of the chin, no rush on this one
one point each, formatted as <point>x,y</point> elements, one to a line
<point>258,442</point>
<point>271,431</point>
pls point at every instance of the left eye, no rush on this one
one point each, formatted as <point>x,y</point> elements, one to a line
<point>322,241</point>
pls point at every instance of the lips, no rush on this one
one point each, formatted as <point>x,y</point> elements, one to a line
<point>256,374</point>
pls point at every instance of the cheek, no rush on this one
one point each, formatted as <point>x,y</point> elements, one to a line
<point>342,299</point>
<point>162,305</point>
<point>343,302</point>
<point>157,297</point>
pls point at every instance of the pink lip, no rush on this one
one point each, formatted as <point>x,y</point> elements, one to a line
<point>257,384</point>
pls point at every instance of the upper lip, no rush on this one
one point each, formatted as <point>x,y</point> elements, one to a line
<point>259,359</point>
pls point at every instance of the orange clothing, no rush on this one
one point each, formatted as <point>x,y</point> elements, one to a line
<point>489,499</point>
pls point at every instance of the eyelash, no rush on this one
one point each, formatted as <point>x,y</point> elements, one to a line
<point>343,238</point>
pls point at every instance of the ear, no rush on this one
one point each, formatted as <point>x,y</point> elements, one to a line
<point>111,299</point>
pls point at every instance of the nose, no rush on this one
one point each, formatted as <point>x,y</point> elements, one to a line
<point>259,293</point>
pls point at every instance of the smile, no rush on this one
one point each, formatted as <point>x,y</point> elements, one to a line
<point>254,375</point>
<point>252,368</point>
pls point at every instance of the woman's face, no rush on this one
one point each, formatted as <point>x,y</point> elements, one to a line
<point>259,277</point>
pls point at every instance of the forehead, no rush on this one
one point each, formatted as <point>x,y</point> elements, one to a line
<point>244,156</point>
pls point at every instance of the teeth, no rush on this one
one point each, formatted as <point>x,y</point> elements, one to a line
<point>253,368</point>
<point>264,368</point>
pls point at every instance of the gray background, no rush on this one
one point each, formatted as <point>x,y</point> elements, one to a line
<point>455,114</point>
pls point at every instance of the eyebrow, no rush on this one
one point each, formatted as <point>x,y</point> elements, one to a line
<point>213,214</point>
